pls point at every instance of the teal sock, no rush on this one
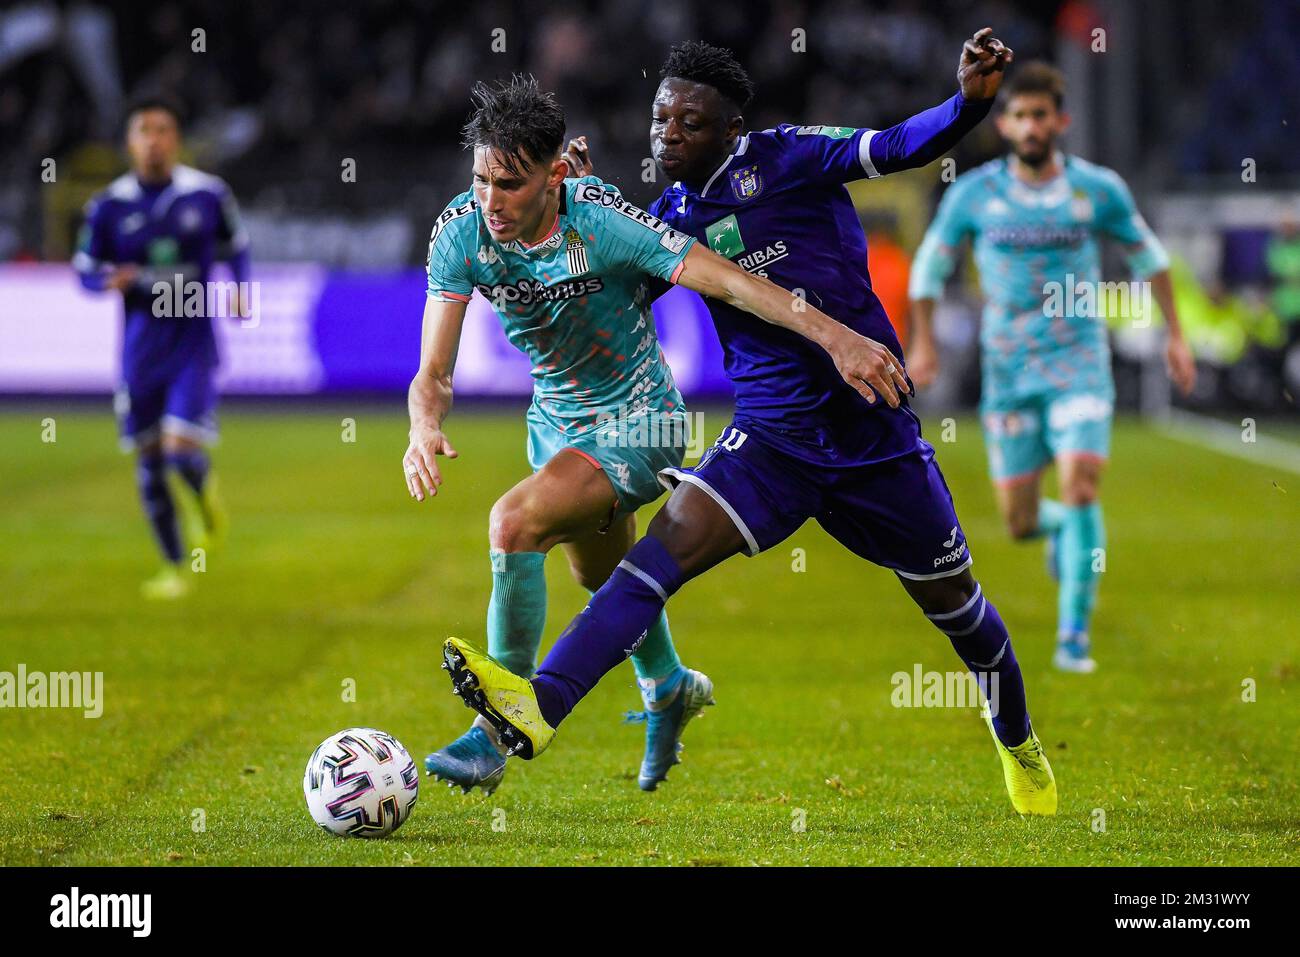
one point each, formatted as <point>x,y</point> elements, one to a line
<point>1082,533</point>
<point>1051,516</point>
<point>517,610</point>
<point>656,658</point>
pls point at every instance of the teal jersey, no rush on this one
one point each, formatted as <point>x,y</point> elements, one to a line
<point>1033,247</point>
<point>575,302</point>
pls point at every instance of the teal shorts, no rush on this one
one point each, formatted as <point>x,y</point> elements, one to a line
<point>630,452</point>
<point>1024,436</point>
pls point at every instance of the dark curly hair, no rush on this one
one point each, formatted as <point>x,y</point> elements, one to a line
<point>518,120</point>
<point>717,67</point>
<point>154,101</point>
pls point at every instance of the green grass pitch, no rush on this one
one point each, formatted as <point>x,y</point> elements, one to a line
<point>212,706</point>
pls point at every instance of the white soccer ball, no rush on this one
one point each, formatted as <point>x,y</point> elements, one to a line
<point>360,783</point>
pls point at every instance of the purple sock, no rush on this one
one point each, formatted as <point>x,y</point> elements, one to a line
<point>151,477</point>
<point>608,630</point>
<point>191,465</point>
<point>981,640</point>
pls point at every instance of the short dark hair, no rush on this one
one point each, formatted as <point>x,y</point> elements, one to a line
<point>153,101</point>
<point>717,67</point>
<point>516,118</point>
<point>1036,77</point>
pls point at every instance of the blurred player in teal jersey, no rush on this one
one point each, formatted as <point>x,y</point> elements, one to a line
<point>1034,218</point>
<point>566,264</point>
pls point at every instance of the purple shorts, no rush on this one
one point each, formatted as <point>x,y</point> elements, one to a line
<point>897,513</point>
<point>184,404</point>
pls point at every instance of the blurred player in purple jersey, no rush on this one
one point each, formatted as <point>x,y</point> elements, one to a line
<point>153,235</point>
<point>803,444</point>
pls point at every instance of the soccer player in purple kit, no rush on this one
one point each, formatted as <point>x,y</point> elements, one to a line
<point>161,224</point>
<point>802,444</point>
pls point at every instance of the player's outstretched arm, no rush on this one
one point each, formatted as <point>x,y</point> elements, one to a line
<point>923,138</point>
<point>1179,361</point>
<point>922,352</point>
<point>935,260</point>
<point>429,397</point>
<point>1148,261</point>
<point>865,364</point>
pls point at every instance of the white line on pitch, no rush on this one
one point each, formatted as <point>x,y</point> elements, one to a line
<point>1225,437</point>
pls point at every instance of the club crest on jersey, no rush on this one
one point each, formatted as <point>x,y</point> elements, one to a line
<point>1081,206</point>
<point>746,183</point>
<point>575,252</point>
<point>190,220</point>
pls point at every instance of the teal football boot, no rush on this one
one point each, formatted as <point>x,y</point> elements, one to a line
<point>664,724</point>
<point>1074,653</point>
<point>468,762</point>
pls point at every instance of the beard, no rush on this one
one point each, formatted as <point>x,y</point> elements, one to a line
<point>1034,155</point>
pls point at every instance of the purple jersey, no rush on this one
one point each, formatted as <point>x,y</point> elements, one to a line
<point>178,228</point>
<point>778,207</point>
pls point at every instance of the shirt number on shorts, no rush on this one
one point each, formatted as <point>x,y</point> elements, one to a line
<point>732,439</point>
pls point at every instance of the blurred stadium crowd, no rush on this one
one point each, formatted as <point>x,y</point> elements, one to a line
<point>279,94</point>
<point>282,91</point>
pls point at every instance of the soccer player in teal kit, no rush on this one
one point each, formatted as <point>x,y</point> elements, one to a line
<point>566,264</point>
<point>1034,218</point>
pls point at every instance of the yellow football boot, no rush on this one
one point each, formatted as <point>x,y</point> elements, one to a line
<point>167,585</point>
<point>1028,774</point>
<point>499,695</point>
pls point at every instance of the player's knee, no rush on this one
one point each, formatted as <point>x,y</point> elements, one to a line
<point>173,444</point>
<point>514,526</point>
<point>150,449</point>
<point>942,596</point>
<point>681,539</point>
<point>695,531</point>
<point>1080,491</point>
<point>1080,480</point>
<point>650,564</point>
